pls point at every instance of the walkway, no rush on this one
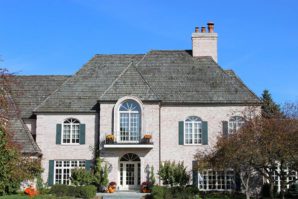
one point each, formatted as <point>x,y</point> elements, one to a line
<point>122,195</point>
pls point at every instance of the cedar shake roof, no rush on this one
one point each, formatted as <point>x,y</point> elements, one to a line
<point>167,76</point>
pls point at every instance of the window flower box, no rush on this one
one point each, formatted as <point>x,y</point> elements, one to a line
<point>147,138</point>
<point>110,139</point>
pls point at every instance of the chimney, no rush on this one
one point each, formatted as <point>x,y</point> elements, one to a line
<point>205,43</point>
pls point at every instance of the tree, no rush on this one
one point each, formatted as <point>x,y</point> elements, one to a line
<point>267,145</point>
<point>269,107</point>
<point>14,167</point>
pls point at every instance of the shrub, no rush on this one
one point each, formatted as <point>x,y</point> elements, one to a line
<point>265,191</point>
<point>159,192</point>
<point>88,191</point>
<point>293,191</point>
<point>81,177</point>
<point>173,174</point>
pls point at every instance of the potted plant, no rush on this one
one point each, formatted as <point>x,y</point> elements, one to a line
<point>145,187</point>
<point>112,187</point>
<point>147,138</point>
<point>110,139</point>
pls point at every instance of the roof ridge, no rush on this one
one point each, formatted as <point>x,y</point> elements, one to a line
<point>123,72</point>
<point>116,79</point>
<point>236,77</point>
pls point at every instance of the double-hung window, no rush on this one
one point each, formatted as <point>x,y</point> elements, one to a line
<point>130,121</point>
<point>235,123</point>
<point>193,130</point>
<point>71,131</point>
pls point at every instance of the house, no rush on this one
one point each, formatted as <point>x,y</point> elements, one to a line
<point>134,110</point>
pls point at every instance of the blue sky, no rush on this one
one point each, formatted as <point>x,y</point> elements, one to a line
<point>258,39</point>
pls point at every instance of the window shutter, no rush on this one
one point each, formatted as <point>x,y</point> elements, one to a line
<point>88,165</point>
<point>205,133</point>
<point>58,134</point>
<point>181,133</point>
<point>225,128</point>
<point>195,180</point>
<point>51,173</point>
<point>82,133</point>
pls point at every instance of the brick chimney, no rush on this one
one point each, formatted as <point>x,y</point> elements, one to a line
<point>205,43</point>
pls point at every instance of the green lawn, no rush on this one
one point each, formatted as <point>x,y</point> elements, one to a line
<point>36,197</point>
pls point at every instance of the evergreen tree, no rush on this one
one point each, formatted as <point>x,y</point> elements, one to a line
<point>269,107</point>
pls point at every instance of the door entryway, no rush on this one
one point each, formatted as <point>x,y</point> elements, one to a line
<point>130,172</point>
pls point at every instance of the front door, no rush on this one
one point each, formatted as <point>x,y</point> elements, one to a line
<point>129,175</point>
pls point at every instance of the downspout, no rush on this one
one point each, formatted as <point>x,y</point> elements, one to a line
<point>159,151</point>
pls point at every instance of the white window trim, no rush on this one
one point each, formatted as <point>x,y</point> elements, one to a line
<point>238,127</point>
<point>193,135</point>
<point>201,184</point>
<point>117,118</point>
<point>129,126</point>
<point>62,168</point>
<point>71,127</point>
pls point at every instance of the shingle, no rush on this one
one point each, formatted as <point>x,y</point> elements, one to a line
<point>169,76</point>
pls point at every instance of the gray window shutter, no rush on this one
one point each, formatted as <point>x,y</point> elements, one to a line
<point>225,128</point>
<point>195,180</point>
<point>51,173</point>
<point>58,134</point>
<point>181,133</point>
<point>205,133</point>
<point>88,165</point>
<point>82,133</point>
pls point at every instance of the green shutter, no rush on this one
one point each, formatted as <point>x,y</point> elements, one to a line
<point>181,133</point>
<point>225,128</point>
<point>51,173</point>
<point>205,133</point>
<point>88,165</point>
<point>58,134</point>
<point>82,133</point>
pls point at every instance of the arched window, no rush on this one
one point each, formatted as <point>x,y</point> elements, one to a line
<point>193,130</point>
<point>130,157</point>
<point>71,131</point>
<point>129,121</point>
<point>235,123</point>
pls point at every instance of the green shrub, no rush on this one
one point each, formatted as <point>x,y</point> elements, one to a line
<point>265,191</point>
<point>81,177</point>
<point>159,192</point>
<point>88,191</point>
<point>173,174</point>
<point>293,191</point>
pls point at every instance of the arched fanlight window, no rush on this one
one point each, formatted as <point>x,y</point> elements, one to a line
<point>235,123</point>
<point>193,130</point>
<point>130,157</point>
<point>71,131</point>
<point>129,121</point>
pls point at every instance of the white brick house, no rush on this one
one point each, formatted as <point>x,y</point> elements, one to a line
<point>182,98</point>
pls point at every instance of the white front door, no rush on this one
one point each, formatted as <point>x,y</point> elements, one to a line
<point>129,175</point>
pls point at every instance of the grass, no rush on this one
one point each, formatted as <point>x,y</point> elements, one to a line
<point>22,196</point>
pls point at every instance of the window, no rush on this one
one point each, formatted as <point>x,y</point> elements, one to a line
<point>235,123</point>
<point>193,130</point>
<point>130,121</point>
<point>71,131</point>
<point>210,180</point>
<point>291,176</point>
<point>63,170</point>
